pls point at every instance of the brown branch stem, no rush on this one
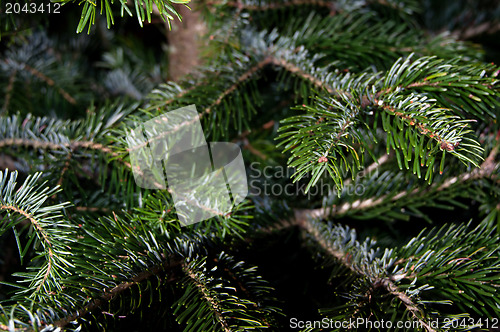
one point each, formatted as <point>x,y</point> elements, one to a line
<point>303,220</point>
<point>44,235</point>
<point>206,295</point>
<point>114,292</point>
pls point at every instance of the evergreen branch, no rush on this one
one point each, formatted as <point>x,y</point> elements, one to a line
<point>344,39</point>
<point>48,227</point>
<point>242,5</point>
<point>72,145</point>
<point>117,290</point>
<point>172,92</point>
<point>51,134</point>
<point>143,10</point>
<point>449,260</point>
<point>340,243</point>
<point>111,250</point>
<point>474,31</point>
<point>423,127</point>
<point>45,239</point>
<point>447,130</point>
<point>223,90</point>
<point>15,66</point>
<point>9,142</point>
<point>8,91</point>
<point>252,286</point>
<point>343,256</point>
<point>452,260</point>
<point>313,143</point>
<point>303,74</point>
<point>316,140</point>
<point>241,79</point>
<point>424,109</point>
<point>214,303</point>
<point>406,300</point>
<point>416,116</point>
<point>49,82</point>
<point>452,84</point>
<point>486,170</point>
<point>222,308</point>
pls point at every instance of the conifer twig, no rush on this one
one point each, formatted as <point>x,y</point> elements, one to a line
<point>8,90</point>
<point>486,169</point>
<point>44,235</point>
<point>117,290</point>
<point>204,291</point>
<point>304,222</point>
<point>274,5</point>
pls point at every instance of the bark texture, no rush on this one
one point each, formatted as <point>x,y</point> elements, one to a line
<point>184,42</point>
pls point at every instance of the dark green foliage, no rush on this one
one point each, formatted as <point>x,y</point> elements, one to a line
<point>143,10</point>
<point>355,120</point>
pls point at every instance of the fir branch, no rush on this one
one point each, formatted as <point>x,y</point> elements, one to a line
<point>302,219</point>
<point>45,238</point>
<point>242,5</point>
<point>49,82</point>
<point>48,228</point>
<point>8,90</point>
<point>451,260</point>
<point>69,136</point>
<point>118,289</point>
<point>487,169</point>
<point>344,39</point>
<point>223,93</point>
<point>171,92</point>
<point>406,300</point>
<point>416,116</point>
<point>341,244</point>
<point>214,303</point>
<point>477,30</point>
<point>17,66</point>
<point>241,79</point>
<point>72,145</point>
<point>164,8</point>
<point>423,104</point>
<point>422,127</point>
<point>221,307</point>
<point>303,74</point>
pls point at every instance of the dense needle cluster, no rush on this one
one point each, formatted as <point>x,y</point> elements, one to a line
<point>385,110</point>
